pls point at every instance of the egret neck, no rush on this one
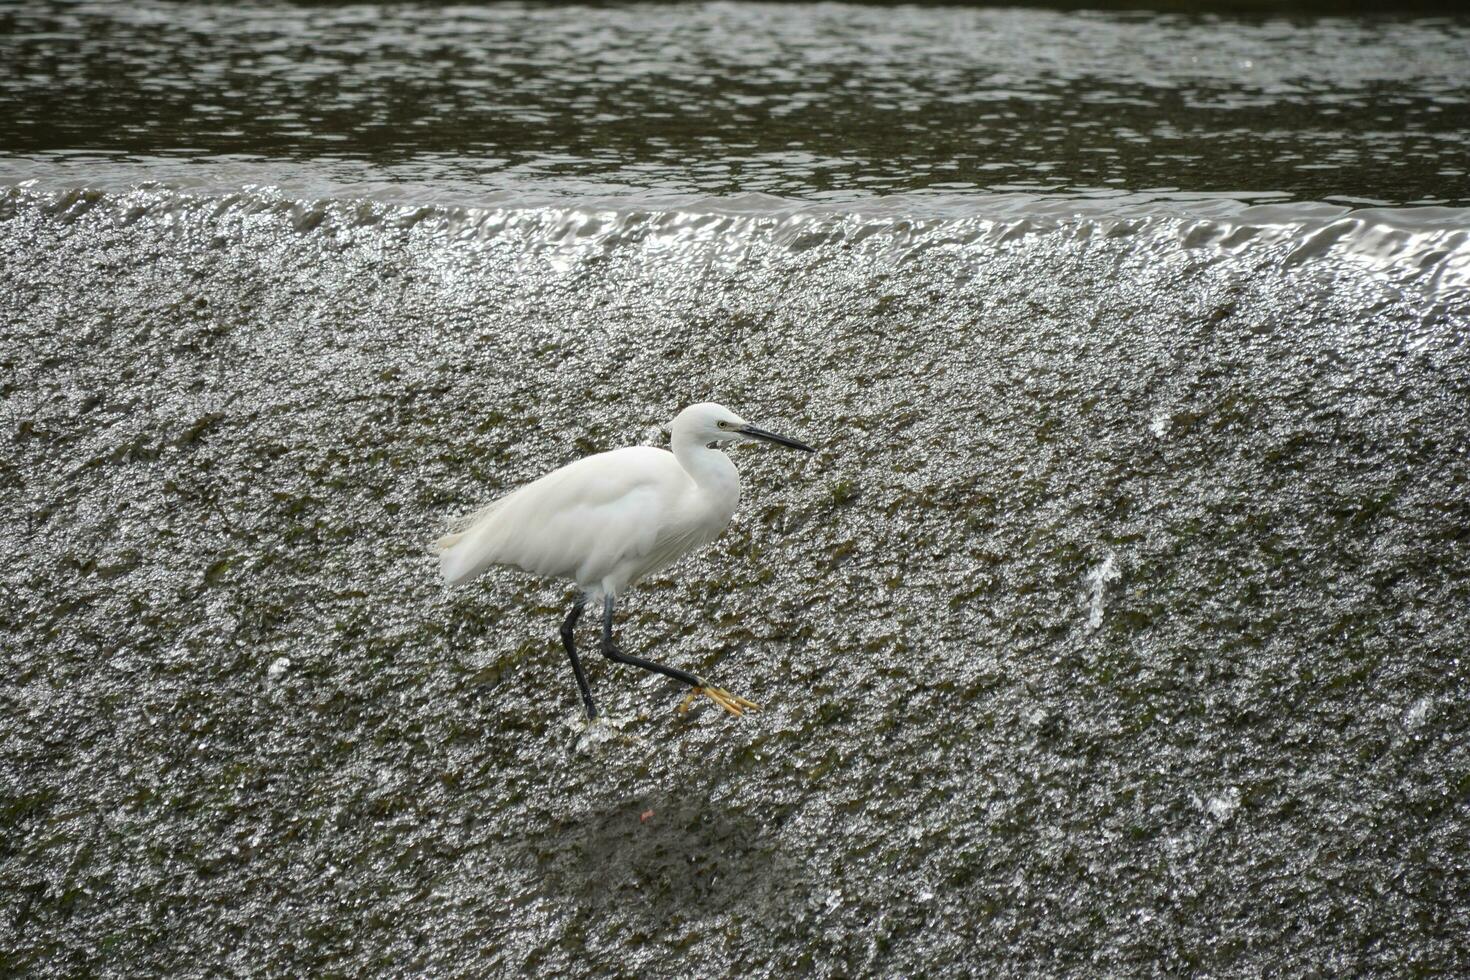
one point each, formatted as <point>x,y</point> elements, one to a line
<point>716,477</point>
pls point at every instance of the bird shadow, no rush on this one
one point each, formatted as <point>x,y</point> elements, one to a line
<point>665,855</point>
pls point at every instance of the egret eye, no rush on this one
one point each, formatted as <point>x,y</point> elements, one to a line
<point>723,424</point>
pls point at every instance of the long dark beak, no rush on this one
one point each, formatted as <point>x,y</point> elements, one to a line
<point>762,434</point>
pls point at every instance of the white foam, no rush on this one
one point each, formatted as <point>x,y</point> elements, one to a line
<point>1418,713</point>
<point>1098,581</point>
<point>1222,806</point>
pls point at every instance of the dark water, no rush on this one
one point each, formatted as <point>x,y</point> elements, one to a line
<point>1118,627</point>
<point>803,100</point>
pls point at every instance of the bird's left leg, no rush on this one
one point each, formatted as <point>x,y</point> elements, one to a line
<point>732,703</point>
<point>568,630</point>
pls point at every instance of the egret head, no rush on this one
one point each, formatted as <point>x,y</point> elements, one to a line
<point>708,423</point>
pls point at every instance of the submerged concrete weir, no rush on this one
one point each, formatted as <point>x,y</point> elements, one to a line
<point>245,727</point>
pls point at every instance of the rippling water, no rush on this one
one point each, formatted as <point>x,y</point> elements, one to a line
<point>1117,627</point>
<point>801,100</point>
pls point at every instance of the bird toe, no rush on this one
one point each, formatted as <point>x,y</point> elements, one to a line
<point>734,704</point>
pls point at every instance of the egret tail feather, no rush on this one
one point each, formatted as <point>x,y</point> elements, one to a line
<point>456,528</point>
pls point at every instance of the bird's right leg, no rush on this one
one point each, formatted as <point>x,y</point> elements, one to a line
<point>732,703</point>
<point>568,628</point>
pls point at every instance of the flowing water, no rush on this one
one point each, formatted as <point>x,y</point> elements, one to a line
<point>1117,628</point>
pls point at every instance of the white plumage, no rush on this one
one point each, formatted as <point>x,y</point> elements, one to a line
<point>610,519</point>
<point>603,522</point>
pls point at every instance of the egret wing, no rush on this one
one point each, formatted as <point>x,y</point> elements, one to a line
<point>574,522</point>
<point>673,543</point>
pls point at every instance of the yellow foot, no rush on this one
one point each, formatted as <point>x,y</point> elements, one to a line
<point>732,703</point>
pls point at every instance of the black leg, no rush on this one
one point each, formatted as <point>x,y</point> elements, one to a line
<point>567,629</point>
<point>610,651</point>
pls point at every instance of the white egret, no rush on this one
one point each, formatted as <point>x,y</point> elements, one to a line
<point>610,519</point>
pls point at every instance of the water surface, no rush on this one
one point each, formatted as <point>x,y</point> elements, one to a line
<point>810,101</point>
